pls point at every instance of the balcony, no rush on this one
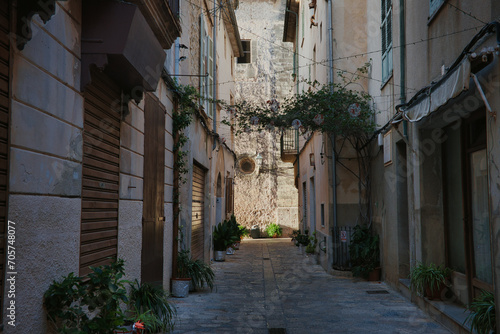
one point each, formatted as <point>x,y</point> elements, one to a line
<point>289,145</point>
<point>163,18</point>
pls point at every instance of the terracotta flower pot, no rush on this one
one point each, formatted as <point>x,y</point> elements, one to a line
<point>374,275</point>
<point>436,293</point>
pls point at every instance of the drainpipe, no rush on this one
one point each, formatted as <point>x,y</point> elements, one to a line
<point>215,73</point>
<point>331,78</point>
<point>402,55</point>
<point>296,53</point>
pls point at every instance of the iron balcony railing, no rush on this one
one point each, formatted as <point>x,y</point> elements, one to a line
<point>289,143</point>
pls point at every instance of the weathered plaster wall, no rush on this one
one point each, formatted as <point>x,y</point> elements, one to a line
<point>268,195</point>
<point>45,161</point>
<point>131,190</point>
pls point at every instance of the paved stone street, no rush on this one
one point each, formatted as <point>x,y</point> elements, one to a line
<point>269,284</point>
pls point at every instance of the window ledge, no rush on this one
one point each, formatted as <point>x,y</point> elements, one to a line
<point>384,82</point>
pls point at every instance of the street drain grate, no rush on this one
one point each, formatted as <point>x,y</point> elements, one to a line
<point>265,258</point>
<point>277,331</point>
<point>377,292</point>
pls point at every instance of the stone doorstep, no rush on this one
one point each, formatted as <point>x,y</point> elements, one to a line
<point>448,314</point>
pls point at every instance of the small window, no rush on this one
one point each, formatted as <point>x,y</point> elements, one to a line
<point>246,57</point>
<point>434,5</point>
<point>386,39</point>
<point>323,214</point>
<point>247,165</point>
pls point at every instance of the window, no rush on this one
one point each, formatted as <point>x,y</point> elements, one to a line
<point>323,214</point>
<point>386,39</point>
<point>246,57</point>
<point>206,67</point>
<point>434,5</point>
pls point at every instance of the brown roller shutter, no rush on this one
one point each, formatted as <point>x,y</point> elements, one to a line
<point>154,190</point>
<point>4,134</point>
<point>101,173</point>
<point>198,211</point>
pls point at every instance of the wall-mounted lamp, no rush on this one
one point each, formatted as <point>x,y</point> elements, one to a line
<point>312,163</point>
<point>259,159</point>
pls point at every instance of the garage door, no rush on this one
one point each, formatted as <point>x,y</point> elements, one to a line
<point>198,210</point>
<point>101,173</point>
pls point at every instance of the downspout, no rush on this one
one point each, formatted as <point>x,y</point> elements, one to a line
<point>214,56</point>
<point>333,187</point>
<point>402,55</point>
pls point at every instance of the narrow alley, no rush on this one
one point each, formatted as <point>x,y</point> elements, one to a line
<point>268,284</point>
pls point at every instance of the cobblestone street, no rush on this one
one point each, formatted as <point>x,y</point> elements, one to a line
<point>268,284</point>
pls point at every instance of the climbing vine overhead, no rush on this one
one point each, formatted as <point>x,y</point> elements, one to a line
<point>330,108</point>
<point>342,112</point>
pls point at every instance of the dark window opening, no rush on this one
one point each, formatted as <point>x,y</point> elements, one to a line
<point>246,57</point>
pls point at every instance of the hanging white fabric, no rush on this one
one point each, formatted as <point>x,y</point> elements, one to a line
<point>440,93</point>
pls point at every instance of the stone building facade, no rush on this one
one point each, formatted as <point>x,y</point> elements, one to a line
<point>264,190</point>
<point>87,142</point>
<point>433,79</point>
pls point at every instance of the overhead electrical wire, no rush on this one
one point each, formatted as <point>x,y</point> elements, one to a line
<point>323,62</point>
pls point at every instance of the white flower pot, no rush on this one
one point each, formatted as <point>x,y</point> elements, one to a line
<point>220,256</point>
<point>180,287</point>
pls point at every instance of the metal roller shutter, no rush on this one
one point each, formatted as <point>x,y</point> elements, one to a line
<point>4,134</point>
<point>198,212</point>
<point>101,173</point>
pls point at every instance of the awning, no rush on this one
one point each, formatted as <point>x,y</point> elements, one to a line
<point>453,83</point>
<point>117,38</point>
<point>439,94</point>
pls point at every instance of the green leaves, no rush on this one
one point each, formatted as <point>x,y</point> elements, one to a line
<point>273,229</point>
<point>364,251</point>
<point>149,303</point>
<point>482,319</point>
<point>225,235</point>
<point>330,101</point>
<point>431,276</point>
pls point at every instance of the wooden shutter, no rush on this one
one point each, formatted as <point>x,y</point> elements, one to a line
<point>198,212</point>
<point>229,196</point>
<point>4,134</point>
<point>154,190</point>
<point>101,173</point>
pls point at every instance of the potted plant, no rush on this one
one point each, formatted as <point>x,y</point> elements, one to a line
<point>181,279</point>
<point>201,274</point>
<point>236,230</point>
<point>88,305</point>
<point>429,280</point>
<point>365,253</point>
<point>482,316</point>
<point>223,237</point>
<point>300,240</point>
<point>313,242</point>
<point>274,230</point>
<point>148,303</point>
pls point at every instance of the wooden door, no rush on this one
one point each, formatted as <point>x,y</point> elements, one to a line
<point>154,174</point>
<point>101,173</point>
<point>4,133</point>
<point>198,212</point>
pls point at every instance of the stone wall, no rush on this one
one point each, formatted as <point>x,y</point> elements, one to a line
<point>267,195</point>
